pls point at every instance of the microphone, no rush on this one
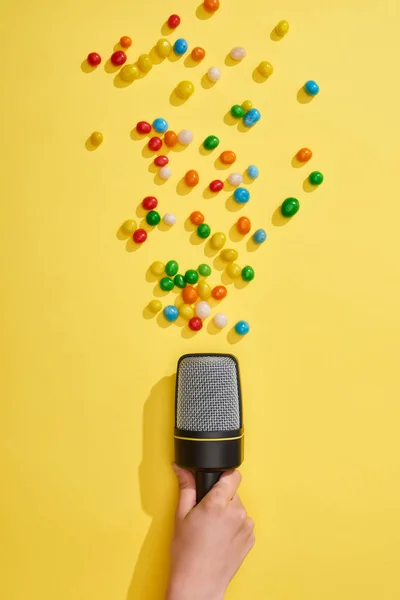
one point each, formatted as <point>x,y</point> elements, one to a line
<point>208,417</point>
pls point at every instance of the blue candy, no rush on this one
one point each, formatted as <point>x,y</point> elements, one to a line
<point>252,172</point>
<point>180,46</point>
<point>259,236</point>
<point>242,327</point>
<point>160,125</point>
<point>312,88</point>
<point>241,195</point>
<point>251,117</point>
<point>171,313</point>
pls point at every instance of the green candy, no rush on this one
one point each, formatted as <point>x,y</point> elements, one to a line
<point>247,273</point>
<point>153,217</point>
<point>204,270</point>
<point>211,142</point>
<point>191,276</point>
<point>179,281</point>
<point>316,178</point>
<point>290,207</point>
<point>171,268</point>
<point>203,230</point>
<point>237,111</point>
<point>166,284</point>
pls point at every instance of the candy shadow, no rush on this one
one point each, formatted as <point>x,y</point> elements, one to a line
<point>230,120</point>
<point>228,187</point>
<point>175,100</point>
<point>208,194</point>
<point>141,212</point>
<point>173,57</point>
<point>162,226</point>
<point>202,13</point>
<point>232,205</point>
<point>233,337</point>
<point>246,179</point>
<point>205,83</point>
<point>158,180</point>
<point>240,284</point>
<point>147,314</point>
<point>251,246</point>
<point>257,77</point>
<point>118,47</point>
<point>136,137</point>
<point>188,225</point>
<point>218,164</point>
<point>190,63</point>
<point>209,251</point>
<point>158,292</point>
<point>303,97</point>
<point>219,264</point>
<point>296,163</point>
<point>166,29</point>
<point>120,83</point>
<point>234,235</point>
<point>147,153</point>
<point>195,239</point>
<point>132,246</point>
<point>182,189</point>
<point>110,68</point>
<point>121,235</point>
<point>309,187</point>
<point>213,329</point>
<point>162,321</point>
<point>151,278</point>
<point>86,67</point>
<point>230,62</point>
<point>203,151</point>
<point>278,220</point>
<point>275,37</point>
<point>187,333</point>
<point>225,279</point>
<point>156,59</point>
<point>242,127</point>
<point>89,146</point>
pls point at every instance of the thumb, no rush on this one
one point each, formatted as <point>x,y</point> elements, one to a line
<point>187,491</point>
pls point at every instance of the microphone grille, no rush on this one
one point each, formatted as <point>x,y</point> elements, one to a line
<point>208,393</point>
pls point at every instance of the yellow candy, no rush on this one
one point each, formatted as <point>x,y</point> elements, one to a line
<point>229,255</point>
<point>282,28</point>
<point>129,226</point>
<point>157,268</point>
<point>186,311</point>
<point>233,270</point>
<point>265,68</point>
<point>96,138</point>
<point>218,240</point>
<point>130,72</point>
<point>204,290</point>
<point>247,105</point>
<point>184,89</point>
<point>163,48</point>
<point>155,306</point>
<point>145,63</point>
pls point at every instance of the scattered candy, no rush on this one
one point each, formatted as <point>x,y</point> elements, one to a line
<point>282,28</point>
<point>220,320</point>
<point>171,268</point>
<point>189,294</point>
<point>237,111</point>
<point>218,241</point>
<point>186,311</point>
<point>259,236</point>
<point>145,63</point>
<point>247,105</point>
<point>129,73</point>
<point>252,172</point>
<point>219,292</point>
<point>315,178</point>
<point>311,88</point>
<point>252,117</point>
<point>174,21</point>
<point>94,59</point>
<point>248,273</point>
<point>197,218</point>
<point>166,284</point>
<point>165,173</point>
<point>125,41</point>
<point>203,230</point>
<point>185,137</point>
<point>265,68</point>
<point>214,74</point>
<point>155,306</point>
<point>241,195</point>
<point>192,178</point>
<point>216,186</point>
<point>171,313</point>
<point>211,5</point>
<point>157,268</point>
<point>160,125</point>
<point>170,139</point>
<point>184,89</point>
<point>235,179</point>
<point>129,226</point>
<point>204,270</point>
<point>96,138</point>
<point>195,324</point>
<point>228,157</point>
<point>161,161</point>
<point>180,46</point>
<point>180,281</point>
<point>163,48</point>
<point>202,310</point>
<point>153,218</point>
<point>198,54</point>
<point>139,236</point>
<point>304,155</point>
<point>191,276</point>
<point>154,143</point>
<point>229,255</point>
<point>211,142</point>
<point>204,290</point>
<point>169,219</point>
<point>242,327</point>
<point>143,127</point>
<point>118,58</point>
<point>243,225</point>
<point>290,207</point>
<point>149,203</point>
<point>238,53</point>
<point>233,270</point>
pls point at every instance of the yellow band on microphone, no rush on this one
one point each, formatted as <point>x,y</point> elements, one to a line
<point>230,439</point>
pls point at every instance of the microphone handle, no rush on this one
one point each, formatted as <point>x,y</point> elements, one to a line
<point>204,482</point>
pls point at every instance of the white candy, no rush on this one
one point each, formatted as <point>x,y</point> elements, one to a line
<point>238,53</point>
<point>203,310</point>
<point>235,179</point>
<point>165,173</point>
<point>220,320</point>
<point>169,219</point>
<point>214,74</point>
<point>185,137</point>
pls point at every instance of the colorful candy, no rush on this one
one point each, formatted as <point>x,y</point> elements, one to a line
<point>166,284</point>
<point>315,178</point>
<point>228,157</point>
<point>204,290</point>
<point>163,48</point>
<point>169,219</point>
<point>204,270</point>
<point>149,203</point>
<point>241,195</point>
<point>139,236</point>
<point>195,324</point>
<point>186,311</point>
<point>191,277</point>
<point>242,327</point>
<point>164,173</point>
<point>265,68</point>
<point>185,137</point>
<point>129,226</point>
<point>218,241</point>
<point>237,111</point>
<point>154,144</point>
<point>243,225</point>
<point>171,313</point>
<point>252,172</point>
<point>235,179</point>
<point>290,207</point>
<point>282,28</point>
<point>211,5</point>
<point>311,88</point>
<point>238,53</point>
<point>304,155</point>
<point>170,139</point>
<point>174,21</point>
<point>251,117</point>
<point>125,41</point>
<point>220,320</point>
<point>219,292</point>
<point>192,178</point>
<point>247,105</point>
<point>143,127</point>
<point>96,138</point>
<point>216,186</point>
<point>157,268</point>
<point>202,310</point>
<point>153,218</point>
<point>118,58</point>
<point>203,230</point>
<point>184,89</point>
<point>179,281</point>
<point>198,54</point>
<point>155,306</point>
<point>211,142</point>
<point>171,268</point>
<point>145,63</point>
<point>94,59</point>
<point>161,161</point>
<point>214,74</point>
<point>180,46</point>
<point>189,294</point>
<point>233,270</point>
<point>129,73</point>
<point>229,255</point>
<point>197,218</point>
<point>160,125</point>
<point>259,236</point>
<point>248,273</point>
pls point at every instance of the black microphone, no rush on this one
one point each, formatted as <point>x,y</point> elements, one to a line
<point>208,417</point>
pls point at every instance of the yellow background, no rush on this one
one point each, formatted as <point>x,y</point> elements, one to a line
<point>87,382</point>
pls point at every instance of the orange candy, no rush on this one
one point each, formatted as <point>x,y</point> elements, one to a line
<point>192,178</point>
<point>189,294</point>
<point>219,292</point>
<point>170,139</point>
<point>304,155</point>
<point>228,157</point>
<point>125,41</point>
<point>198,54</point>
<point>243,225</point>
<point>211,5</point>
<point>197,218</point>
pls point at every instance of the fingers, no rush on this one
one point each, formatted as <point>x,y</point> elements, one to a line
<point>227,486</point>
<point>187,491</point>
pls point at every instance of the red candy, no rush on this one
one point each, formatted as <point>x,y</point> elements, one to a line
<point>161,161</point>
<point>139,236</point>
<point>217,185</point>
<point>118,58</point>
<point>155,144</point>
<point>174,21</point>
<point>195,323</point>
<point>149,203</point>
<point>94,59</point>
<point>143,127</point>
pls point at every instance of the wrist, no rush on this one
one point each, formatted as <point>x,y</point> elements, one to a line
<point>185,589</point>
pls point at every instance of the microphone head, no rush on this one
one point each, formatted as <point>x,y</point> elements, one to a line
<point>208,396</point>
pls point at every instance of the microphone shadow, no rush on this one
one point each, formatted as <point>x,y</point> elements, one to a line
<point>158,493</point>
